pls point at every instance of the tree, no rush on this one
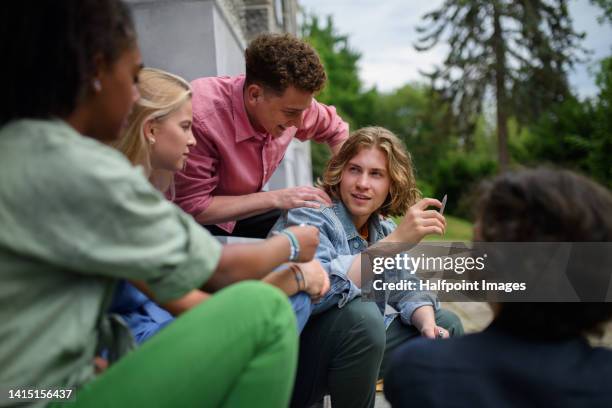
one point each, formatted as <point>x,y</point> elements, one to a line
<point>577,134</point>
<point>516,50</point>
<point>606,6</point>
<point>422,121</point>
<point>344,89</point>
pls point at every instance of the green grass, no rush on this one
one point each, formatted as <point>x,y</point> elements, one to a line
<point>457,229</point>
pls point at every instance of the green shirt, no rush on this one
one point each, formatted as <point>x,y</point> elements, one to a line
<point>74,217</point>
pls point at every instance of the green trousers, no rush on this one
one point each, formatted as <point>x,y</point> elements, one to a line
<point>344,351</point>
<point>237,349</point>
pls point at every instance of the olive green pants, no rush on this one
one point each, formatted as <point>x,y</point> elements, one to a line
<point>344,351</point>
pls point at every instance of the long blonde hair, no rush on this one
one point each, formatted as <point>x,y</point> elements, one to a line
<point>403,191</point>
<point>161,93</point>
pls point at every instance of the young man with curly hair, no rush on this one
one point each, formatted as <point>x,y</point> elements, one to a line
<point>243,126</point>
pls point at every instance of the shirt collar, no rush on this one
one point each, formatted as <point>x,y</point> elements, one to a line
<point>349,228</point>
<point>242,125</point>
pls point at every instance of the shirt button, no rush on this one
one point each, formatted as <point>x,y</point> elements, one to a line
<point>356,245</point>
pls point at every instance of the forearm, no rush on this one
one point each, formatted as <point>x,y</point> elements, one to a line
<point>177,306</point>
<point>394,237</point>
<point>248,261</point>
<point>183,304</point>
<point>423,317</point>
<point>231,208</point>
<point>284,280</point>
<point>335,148</point>
<point>354,271</point>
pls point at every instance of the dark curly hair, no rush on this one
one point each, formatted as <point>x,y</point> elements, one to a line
<point>547,205</point>
<point>49,51</point>
<point>276,61</point>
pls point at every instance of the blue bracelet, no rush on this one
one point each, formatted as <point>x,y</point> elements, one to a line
<point>294,244</point>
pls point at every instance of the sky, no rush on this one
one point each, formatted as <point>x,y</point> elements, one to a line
<point>384,32</point>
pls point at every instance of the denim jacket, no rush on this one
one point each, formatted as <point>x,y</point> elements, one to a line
<point>339,244</point>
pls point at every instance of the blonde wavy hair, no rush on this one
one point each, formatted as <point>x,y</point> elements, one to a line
<point>403,192</point>
<point>161,93</point>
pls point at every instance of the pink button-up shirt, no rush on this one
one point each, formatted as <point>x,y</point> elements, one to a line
<point>231,158</point>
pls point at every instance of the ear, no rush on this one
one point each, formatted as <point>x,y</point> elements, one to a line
<point>96,83</point>
<point>149,128</point>
<point>254,94</point>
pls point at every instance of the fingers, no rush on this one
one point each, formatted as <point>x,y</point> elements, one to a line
<point>431,222</point>
<point>442,333</point>
<point>429,332</point>
<point>321,195</point>
<point>305,232</point>
<point>431,230</point>
<point>318,279</point>
<point>309,204</point>
<point>326,285</point>
<point>435,332</point>
<point>308,241</point>
<point>311,194</point>
<point>296,197</point>
<point>434,214</point>
<point>428,202</point>
<point>324,288</point>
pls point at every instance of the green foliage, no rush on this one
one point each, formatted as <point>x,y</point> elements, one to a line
<point>421,120</point>
<point>344,89</point>
<point>415,112</point>
<point>457,230</point>
<point>577,134</point>
<point>320,155</point>
<point>517,51</point>
<point>600,165</point>
<point>458,176</point>
<point>606,6</point>
<point>565,131</point>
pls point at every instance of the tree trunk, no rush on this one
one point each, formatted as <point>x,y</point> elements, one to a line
<point>500,90</point>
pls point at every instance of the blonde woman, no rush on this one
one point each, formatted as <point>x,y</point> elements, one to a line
<point>158,138</point>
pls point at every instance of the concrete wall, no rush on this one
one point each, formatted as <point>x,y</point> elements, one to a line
<point>228,50</point>
<point>190,38</point>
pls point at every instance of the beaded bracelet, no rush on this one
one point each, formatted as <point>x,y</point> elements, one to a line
<point>294,244</point>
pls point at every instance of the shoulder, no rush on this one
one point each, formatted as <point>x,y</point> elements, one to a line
<point>220,84</point>
<point>51,163</point>
<point>89,168</point>
<point>212,96</point>
<point>58,150</point>
<point>321,215</point>
<point>324,218</point>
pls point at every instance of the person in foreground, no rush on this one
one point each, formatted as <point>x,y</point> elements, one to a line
<point>158,138</point>
<point>76,216</point>
<point>532,354</point>
<point>344,346</point>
